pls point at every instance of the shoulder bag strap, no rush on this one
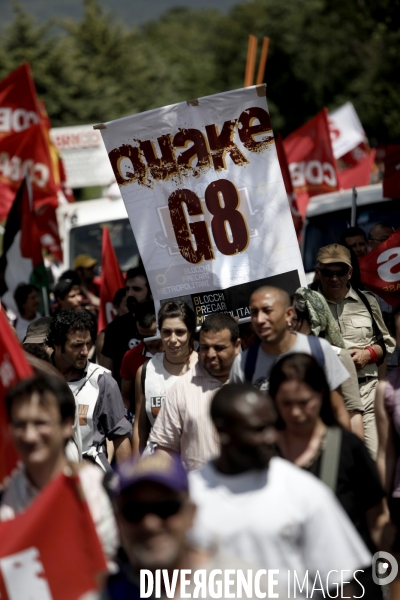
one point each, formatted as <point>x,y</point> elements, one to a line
<point>316,350</point>
<point>330,458</point>
<point>251,360</point>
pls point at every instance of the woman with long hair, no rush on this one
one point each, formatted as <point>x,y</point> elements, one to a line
<point>309,437</point>
<point>177,326</point>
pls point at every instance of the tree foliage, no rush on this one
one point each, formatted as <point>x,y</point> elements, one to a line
<point>322,53</point>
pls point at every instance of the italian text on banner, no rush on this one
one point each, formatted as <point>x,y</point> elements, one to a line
<point>205,197</point>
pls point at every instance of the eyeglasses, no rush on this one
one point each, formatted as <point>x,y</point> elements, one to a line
<point>134,512</point>
<point>40,426</point>
<point>339,272</point>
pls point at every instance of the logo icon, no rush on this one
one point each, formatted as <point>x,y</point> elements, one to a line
<point>384,568</point>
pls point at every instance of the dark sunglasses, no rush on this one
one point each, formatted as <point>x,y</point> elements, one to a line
<point>338,273</point>
<point>134,512</point>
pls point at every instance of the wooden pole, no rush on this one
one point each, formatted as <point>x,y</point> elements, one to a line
<point>251,60</point>
<point>263,61</point>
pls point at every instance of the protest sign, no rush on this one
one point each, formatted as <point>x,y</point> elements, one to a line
<point>205,197</point>
<point>380,271</point>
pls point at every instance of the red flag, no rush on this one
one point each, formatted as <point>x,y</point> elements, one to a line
<point>13,368</point>
<point>391,177</point>
<point>297,220</point>
<point>111,281</point>
<point>311,162</point>
<point>380,269</point>
<point>19,108</point>
<point>358,175</point>
<point>51,551</point>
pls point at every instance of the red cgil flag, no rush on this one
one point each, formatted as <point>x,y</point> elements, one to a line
<point>111,281</point>
<point>13,368</point>
<point>311,162</point>
<point>51,551</point>
<point>359,174</point>
<point>391,177</point>
<point>297,220</point>
<point>380,269</point>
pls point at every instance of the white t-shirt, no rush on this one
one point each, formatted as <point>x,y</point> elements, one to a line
<point>157,382</point>
<point>335,372</point>
<point>21,325</point>
<point>278,518</point>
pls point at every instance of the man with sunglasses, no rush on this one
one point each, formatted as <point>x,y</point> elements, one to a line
<point>154,514</point>
<point>356,325</point>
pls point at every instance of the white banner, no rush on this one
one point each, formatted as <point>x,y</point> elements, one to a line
<point>346,129</point>
<point>205,197</point>
<point>85,158</point>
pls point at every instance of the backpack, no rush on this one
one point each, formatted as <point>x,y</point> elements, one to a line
<point>252,353</point>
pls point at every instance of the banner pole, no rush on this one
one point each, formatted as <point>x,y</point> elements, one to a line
<point>263,61</point>
<point>45,302</point>
<point>353,218</point>
<point>251,61</point>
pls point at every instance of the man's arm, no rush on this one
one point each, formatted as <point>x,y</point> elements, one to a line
<point>357,424</point>
<point>126,391</point>
<point>106,362</point>
<point>122,448</point>
<point>339,409</point>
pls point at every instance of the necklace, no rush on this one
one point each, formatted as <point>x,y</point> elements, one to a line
<point>174,363</point>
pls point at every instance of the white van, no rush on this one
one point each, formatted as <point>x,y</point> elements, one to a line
<point>328,215</point>
<point>81,226</point>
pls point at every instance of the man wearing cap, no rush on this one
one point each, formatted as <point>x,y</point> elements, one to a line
<point>85,266</point>
<point>154,513</point>
<point>350,309</point>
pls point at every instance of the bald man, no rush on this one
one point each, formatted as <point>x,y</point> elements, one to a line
<point>378,234</point>
<point>262,508</point>
<point>271,317</point>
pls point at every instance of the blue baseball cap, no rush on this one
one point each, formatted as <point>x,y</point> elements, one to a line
<point>161,468</point>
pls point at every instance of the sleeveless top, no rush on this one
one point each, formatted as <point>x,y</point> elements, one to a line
<point>392,405</point>
<point>157,381</point>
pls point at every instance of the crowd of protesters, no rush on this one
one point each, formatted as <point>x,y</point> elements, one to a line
<point>271,445</point>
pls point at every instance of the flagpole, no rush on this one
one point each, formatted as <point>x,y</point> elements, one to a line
<point>263,61</point>
<point>353,218</point>
<point>45,302</point>
<point>251,60</point>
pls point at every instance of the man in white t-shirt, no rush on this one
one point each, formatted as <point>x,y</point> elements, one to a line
<point>271,315</point>
<point>266,510</point>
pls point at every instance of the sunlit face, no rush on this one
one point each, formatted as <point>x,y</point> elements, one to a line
<point>72,300</point>
<point>269,317</point>
<point>76,350</point>
<point>217,352</point>
<point>175,338</point>
<point>37,430</point>
<point>154,542</point>
<point>298,405</point>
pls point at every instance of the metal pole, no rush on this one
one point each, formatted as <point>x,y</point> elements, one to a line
<point>353,218</point>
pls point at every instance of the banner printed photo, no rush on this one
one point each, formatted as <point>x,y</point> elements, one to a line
<point>205,197</point>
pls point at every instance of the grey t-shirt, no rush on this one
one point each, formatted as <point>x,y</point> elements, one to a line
<point>335,372</point>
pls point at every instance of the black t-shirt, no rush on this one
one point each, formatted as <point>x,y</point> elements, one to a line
<point>120,336</point>
<point>358,485</point>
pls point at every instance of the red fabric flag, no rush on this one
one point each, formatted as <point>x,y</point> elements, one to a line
<point>311,162</point>
<point>19,108</point>
<point>51,551</point>
<point>297,220</point>
<point>358,175</point>
<point>380,269</point>
<point>391,177</point>
<point>13,368</point>
<point>111,281</point>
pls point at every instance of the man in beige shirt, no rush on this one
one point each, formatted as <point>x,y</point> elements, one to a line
<point>184,424</point>
<point>334,271</point>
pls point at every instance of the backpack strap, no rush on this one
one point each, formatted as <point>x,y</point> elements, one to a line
<point>330,458</point>
<point>316,350</point>
<point>251,359</point>
<point>143,377</point>
<point>377,331</point>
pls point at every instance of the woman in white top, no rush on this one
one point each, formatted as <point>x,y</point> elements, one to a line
<point>177,326</point>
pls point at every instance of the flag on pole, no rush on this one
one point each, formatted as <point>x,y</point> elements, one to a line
<point>391,177</point>
<point>346,130</point>
<point>51,551</point>
<point>380,271</point>
<point>111,281</point>
<point>358,175</point>
<point>13,368</point>
<point>22,260</point>
<point>311,162</point>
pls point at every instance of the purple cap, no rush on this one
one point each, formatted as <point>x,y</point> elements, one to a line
<point>158,468</point>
